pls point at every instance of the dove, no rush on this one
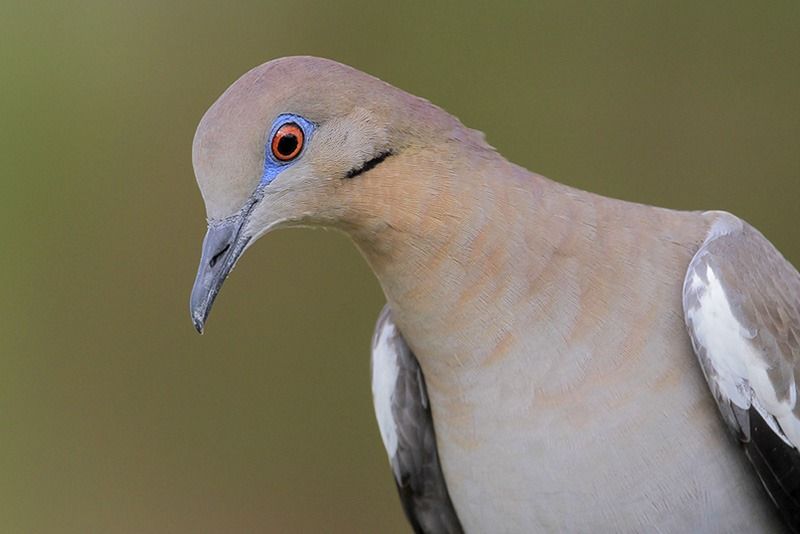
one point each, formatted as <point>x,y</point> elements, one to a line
<point>548,359</point>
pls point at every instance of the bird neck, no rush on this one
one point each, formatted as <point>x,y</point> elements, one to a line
<point>450,235</point>
<point>473,256</point>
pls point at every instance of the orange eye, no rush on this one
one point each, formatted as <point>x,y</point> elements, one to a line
<point>287,142</point>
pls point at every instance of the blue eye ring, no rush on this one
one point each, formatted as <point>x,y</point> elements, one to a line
<point>276,157</point>
<point>288,138</point>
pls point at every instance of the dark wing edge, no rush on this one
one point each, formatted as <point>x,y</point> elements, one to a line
<point>741,302</point>
<point>406,425</point>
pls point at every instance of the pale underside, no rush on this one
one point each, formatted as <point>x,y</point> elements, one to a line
<point>625,443</point>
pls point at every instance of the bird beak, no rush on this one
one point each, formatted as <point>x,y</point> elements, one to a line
<point>222,247</point>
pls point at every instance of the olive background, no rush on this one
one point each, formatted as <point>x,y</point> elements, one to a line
<point>116,417</point>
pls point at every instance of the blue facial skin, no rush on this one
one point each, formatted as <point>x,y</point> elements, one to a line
<point>273,166</point>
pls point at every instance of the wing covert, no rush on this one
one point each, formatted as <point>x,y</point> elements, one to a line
<point>406,425</point>
<point>741,301</point>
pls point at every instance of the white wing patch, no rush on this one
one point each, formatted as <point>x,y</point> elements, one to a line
<point>384,381</point>
<point>740,372</point>
<point>741,303</point>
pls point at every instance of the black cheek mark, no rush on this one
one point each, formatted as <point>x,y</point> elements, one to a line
<point>367,165</point>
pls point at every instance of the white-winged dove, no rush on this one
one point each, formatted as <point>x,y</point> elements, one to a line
<point>536,365</point>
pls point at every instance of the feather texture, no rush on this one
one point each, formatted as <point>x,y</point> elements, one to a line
<point>406,424</point>
<point>742,308</point>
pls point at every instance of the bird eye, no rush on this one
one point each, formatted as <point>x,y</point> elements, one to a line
<point>287,142</point>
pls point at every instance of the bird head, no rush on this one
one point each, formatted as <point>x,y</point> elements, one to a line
<point>304,141</point>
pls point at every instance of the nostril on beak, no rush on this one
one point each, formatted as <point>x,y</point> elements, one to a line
<point>218,255</point>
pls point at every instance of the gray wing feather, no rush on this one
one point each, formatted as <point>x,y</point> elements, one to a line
<point>404,415</point>
<point>742,308</point>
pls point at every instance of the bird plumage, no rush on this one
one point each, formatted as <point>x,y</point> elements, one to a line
<point>741,311</point>
<point>406,424</point>
<point>547,322</point>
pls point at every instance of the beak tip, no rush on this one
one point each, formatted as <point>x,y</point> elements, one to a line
<point>199,324</point>
<point>222,246</point>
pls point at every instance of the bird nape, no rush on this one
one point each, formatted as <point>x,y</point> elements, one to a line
<point>554,381</point>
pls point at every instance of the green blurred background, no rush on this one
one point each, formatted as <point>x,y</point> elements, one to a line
<point>115,416</point>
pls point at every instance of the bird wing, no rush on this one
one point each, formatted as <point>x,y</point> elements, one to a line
<point>406,425</point>
<point>741,303</point>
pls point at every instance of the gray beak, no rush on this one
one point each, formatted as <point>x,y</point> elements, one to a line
<point>222,246</point>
